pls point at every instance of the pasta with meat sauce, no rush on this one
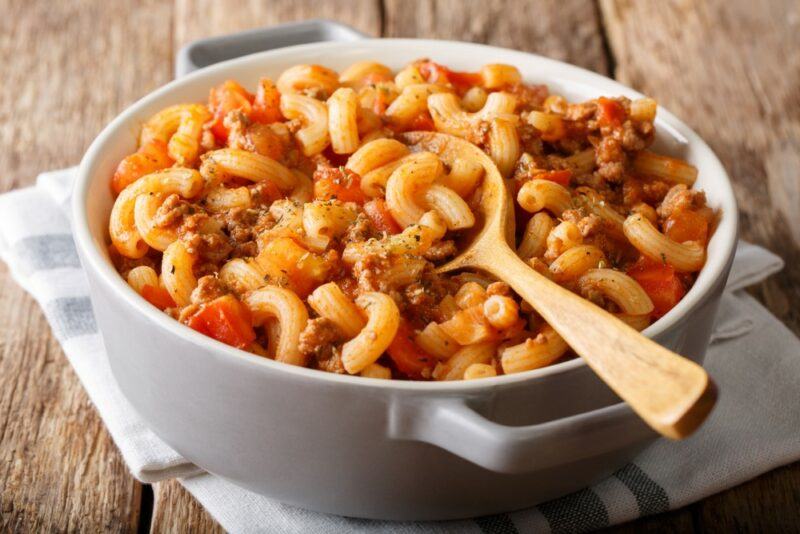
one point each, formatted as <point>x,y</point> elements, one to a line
<point>293,223</point>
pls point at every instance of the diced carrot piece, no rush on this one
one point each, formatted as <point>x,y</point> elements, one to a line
<point>407,355</point>
<point>611,112</point>
<point>338,183</point>
<point>158,297</point>
<point>380,216</point>
<point>150,157</point>
<point>686,225</point>
<point>470,326</point>
<point>226,320</point>
<point>660,282</point>
<point>288,263</point>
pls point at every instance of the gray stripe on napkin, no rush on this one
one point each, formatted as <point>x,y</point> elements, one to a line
<point>496,524</point>
<point>581,511</point>
<point>71,317</point>
<point>49,251</point>
<point>651,498</point>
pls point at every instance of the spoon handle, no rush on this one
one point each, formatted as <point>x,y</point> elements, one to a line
<point>671,393</point>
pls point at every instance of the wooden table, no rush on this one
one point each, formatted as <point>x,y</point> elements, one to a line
<point>731,69</point>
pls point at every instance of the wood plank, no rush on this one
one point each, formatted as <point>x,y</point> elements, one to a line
<point>67,69</point>
<point>730,70</point>
<point>567,30</point>
<point>206,18</point>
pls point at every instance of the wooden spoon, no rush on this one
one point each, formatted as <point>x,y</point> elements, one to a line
<point>671,393</point>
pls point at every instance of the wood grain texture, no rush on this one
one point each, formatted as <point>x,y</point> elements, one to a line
<point>205,18</point>
<point>62,82</point>
<point>567,30</point>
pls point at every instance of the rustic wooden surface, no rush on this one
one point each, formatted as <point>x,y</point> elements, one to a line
<point>731,69</point>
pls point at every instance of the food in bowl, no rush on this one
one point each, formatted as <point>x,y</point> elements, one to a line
<point>295,224</point>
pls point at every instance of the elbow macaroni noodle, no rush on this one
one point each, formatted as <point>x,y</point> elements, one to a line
<point>295,223</point>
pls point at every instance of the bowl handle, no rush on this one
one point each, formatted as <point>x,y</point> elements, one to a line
<point>456,427</point>
<point>205,52</point>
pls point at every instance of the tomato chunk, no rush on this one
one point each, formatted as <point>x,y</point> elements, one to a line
<point>561,177</point>
<point>150,157</point>
<point>686,225</point>
<point>439,74</point>
<point>380,217</point>
<point>464,80</point>
<point>407,355</point>
<point>423,121</point>
<point>660,282</point>
<point>158,297</point>
<point>225,319</point>
<point>227,97</point>
<point>338,183</point>
<point>611,112</point>
<point>433,72</point>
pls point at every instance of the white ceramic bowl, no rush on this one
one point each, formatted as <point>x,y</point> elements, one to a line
<point>366,447</point>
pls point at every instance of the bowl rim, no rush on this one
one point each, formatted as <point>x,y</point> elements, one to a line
<point>92,259</point>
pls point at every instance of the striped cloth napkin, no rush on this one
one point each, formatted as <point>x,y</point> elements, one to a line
<point>754,428</point>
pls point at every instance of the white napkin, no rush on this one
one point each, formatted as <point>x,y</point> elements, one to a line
<point>755,427</point>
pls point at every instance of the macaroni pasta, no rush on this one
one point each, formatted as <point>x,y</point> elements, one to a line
<point>294,223</point>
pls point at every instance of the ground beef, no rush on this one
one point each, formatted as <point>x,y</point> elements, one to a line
<point>637,136</point>
<point>441,251</point>
<point>530,139</point>
<point>210,247</point>
<point>171,212</point>
<point>479,133</point>
<point>588,223</point>
<point>369,270</point>
<point>581,111</point>
<point>653,191</point>
<point>237,122</point>
<point>528,96</point>
<point>243,226</point>
<point>359,230</point>
<point>498,288</point>
<point>611,159</point>
<point>680,198</point>
<point>318,339</point>
<point>420,299</point>
<point>208,288</point>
